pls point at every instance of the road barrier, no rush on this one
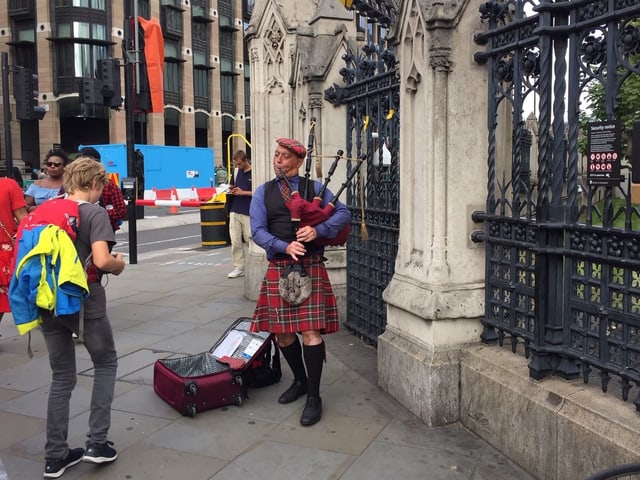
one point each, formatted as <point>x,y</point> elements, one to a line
<point>213,225</point>
<point>168,203</point>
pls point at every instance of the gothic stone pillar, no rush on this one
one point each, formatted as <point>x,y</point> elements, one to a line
<point>436,296</point>
<point>270,51</point>
<point>283,101</point>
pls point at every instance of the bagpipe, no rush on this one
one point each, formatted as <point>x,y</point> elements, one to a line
<point>306,212</point>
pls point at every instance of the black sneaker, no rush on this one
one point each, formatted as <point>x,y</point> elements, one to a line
<point>54,468</point>
<point>100,453</point>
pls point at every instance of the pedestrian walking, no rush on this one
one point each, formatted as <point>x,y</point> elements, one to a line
<point>239,194</point>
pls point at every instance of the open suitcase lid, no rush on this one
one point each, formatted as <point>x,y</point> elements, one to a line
<point>234,350</point>
<point>239,344</point>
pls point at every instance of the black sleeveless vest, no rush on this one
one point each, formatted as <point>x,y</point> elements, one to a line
<point>278,215</point>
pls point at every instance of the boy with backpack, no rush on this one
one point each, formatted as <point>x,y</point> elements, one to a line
<point>84,180</point>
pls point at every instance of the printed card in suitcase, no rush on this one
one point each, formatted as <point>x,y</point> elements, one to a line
<point>219,377</point>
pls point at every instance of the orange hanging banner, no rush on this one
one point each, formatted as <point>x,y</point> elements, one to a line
<point>154,61</point>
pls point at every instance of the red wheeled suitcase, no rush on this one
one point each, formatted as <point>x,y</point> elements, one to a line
<point>219,377</point>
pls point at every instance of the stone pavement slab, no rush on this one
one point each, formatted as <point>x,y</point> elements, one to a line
<point>179,303</point>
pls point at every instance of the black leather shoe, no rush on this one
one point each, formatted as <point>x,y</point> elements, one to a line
<point>294,392</point>
<point>312,411</point>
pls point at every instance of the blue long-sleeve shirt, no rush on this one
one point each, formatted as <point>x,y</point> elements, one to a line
<point>274,246</point>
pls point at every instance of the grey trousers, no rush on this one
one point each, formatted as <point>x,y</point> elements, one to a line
<point>98,340</point>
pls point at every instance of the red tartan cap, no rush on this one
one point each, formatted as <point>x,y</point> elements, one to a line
<point>293,145</point>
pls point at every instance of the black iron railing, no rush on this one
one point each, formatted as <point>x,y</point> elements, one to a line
<point>562,259</point>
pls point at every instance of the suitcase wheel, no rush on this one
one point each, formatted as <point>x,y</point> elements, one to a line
<point>191,388</point>
<point>238,380</point>
<point>190,410</point>
<point>237,398</point>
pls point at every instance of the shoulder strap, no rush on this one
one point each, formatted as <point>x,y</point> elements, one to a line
<point>62,212</point>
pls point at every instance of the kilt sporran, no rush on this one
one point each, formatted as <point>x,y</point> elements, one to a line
<point>295,285</point>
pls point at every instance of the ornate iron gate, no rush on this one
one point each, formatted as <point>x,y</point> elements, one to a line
<point>371,93</point>
<point>563,253</point>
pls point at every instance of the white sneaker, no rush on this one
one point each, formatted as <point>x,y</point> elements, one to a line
<point>236,273</point>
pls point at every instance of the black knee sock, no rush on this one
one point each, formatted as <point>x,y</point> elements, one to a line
<point>314,357</point>
<point>293,356</point>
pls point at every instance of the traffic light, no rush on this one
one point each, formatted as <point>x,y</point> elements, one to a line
<point>109,73</point>
<point>89,90</point>
<point>25,91</point>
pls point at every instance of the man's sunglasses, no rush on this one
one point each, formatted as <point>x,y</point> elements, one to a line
<point>53,164</point>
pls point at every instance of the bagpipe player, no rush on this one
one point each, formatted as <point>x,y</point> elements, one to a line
<point>296,297</point>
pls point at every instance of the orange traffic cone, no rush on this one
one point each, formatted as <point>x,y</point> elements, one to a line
<point>174,196</point>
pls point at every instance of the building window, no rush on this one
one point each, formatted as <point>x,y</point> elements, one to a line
<point>82,30</point>
<point>24,44</point>
<point>81,38</point>
<point>226,51</point>
<point>202,129</point>
<point>200,9</point>
<point>172,72</point>
<point>172,76</point>
<point>78,59</point>
<point>228,93</point>
<point>21,8</point>
<point>201,81</point>
<point>200,33</point>
<point>247,9</point>
<point>144,9</point>
<point>25,34</point>
<point>225,13</point>
<point>95,4</point>
<point>247,96</point>
<point>171,19</point>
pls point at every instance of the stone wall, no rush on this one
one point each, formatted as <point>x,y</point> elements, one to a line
<point>555,429</point>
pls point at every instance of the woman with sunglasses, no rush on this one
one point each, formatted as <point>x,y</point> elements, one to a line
<point>50,186</point>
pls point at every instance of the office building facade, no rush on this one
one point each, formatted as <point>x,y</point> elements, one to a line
<point>206,74</point>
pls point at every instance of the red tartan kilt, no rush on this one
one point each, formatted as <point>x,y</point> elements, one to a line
<point>6,268</point>
<point>318,312</point>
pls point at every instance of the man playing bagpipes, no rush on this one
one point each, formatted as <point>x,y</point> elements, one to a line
<point>296,294</point>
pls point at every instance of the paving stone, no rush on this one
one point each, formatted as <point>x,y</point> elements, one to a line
<point>364,433</point>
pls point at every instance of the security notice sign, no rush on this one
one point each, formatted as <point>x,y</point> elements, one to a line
<point>603,153</point>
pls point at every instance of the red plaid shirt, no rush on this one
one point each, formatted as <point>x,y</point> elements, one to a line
<point>113,201</point>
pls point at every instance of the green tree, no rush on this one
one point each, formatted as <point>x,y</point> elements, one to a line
<point>627,112</point>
